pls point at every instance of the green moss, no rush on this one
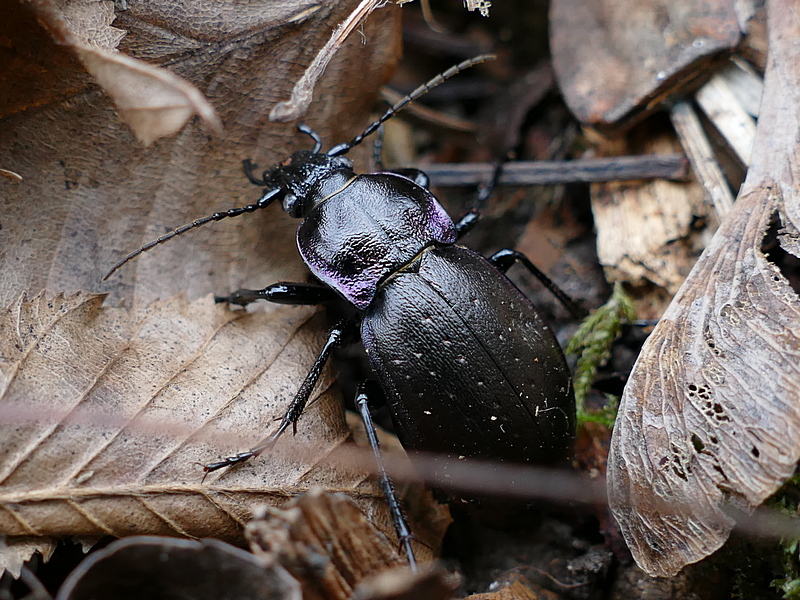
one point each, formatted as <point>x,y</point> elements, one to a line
<point>592,345</point>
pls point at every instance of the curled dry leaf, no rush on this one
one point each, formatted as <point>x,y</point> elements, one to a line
<point>633,54</point>
<point>90,193</point>
<point>153,101</point>
<point>159,567</point>
<point>711,415</point>
<point>107,416</point>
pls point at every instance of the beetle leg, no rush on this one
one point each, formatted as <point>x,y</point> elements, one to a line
<point>282,293</point>
<point>415,175</point>
<point>341,331</point>
<point>471,218</point>
<point>503,260</point>
<point>404,534</point>
<point>467,222</point>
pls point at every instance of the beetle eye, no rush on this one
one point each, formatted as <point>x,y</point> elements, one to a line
<point>293,206</point>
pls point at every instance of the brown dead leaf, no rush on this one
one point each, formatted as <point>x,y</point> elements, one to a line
<point>106,416</point>
<point>90,193</point>
<point>710,417</point>
<point>616,60</point>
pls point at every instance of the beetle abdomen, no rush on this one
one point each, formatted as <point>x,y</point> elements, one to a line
<point>469,367</point>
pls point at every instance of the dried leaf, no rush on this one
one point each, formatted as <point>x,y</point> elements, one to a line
<point>107,415</point>
<point>711,415</point>
<point>154,567</point>
<point>153,101</point>
<point>616,60</point>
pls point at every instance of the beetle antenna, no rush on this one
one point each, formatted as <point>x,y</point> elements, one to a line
<point>313,135</point>
<point>420,91</point>
<point>263,202</point>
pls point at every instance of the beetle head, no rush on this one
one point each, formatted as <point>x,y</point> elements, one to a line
<point>307,177</point>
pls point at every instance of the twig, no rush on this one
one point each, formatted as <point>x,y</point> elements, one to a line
<point>303,91</point>
<point>619,168</point>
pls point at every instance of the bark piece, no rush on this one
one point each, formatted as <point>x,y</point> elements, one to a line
<point>645,229</point>
<point>328,545</point>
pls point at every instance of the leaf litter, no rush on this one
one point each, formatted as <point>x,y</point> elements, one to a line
<point>107,416</point>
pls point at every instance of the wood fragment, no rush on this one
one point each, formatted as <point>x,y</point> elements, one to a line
<point>324,541</point>
<point>718,100</point>
<point>745,83</point>
<point>700,154</point>
<point>645,229</point>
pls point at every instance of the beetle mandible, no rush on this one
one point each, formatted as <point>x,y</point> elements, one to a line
<point>468,366</point>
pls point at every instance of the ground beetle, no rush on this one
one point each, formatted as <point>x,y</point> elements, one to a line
<point>468,366</point>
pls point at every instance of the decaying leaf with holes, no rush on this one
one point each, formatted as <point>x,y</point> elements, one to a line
<point>107,416</point>
<point>711,415</point>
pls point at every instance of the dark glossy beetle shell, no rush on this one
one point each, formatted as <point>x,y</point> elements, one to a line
<point>370,228</point>
<point>469,367</point>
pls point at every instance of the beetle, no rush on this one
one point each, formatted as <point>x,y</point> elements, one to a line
<point>469,368</point>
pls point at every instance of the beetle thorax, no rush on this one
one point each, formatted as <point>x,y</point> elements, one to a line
<point>368,229</point>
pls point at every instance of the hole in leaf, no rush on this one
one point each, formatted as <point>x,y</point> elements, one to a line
<point>787,264</point>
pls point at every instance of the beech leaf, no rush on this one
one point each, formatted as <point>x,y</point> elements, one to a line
<point>107,414</point>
